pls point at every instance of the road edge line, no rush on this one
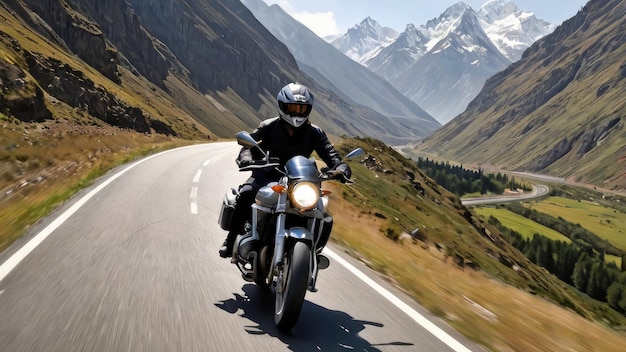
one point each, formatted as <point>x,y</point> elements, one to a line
<point>412,313</point>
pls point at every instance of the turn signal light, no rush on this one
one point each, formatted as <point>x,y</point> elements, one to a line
<point>279,189</point>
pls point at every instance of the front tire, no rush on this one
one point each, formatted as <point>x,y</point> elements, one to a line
<point>291,289</point>
<point>262,267</point>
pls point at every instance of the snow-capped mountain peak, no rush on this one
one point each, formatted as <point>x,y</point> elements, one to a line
<point>438,28</point>
<point>368,27</point>
<point>443,64</point>
<point>412,37</point>
<point>364,40</point>
<point>495,10</point>
<point>467,37</point>
<point>511,29</point>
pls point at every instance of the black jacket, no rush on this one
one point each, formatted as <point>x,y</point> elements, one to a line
<point>273,137</point>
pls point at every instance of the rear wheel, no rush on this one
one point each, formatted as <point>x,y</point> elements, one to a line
<point>291,286</point>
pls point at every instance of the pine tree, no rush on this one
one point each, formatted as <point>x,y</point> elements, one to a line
<point>531,253</point>
<point>582,272</point>
<point>616,294</point>
<point>594,286</point>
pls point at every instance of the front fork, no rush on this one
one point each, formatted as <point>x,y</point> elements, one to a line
<point>296,234</point>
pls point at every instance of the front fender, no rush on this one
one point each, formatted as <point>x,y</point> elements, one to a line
<point>294,233</point>
<point>300,233</point>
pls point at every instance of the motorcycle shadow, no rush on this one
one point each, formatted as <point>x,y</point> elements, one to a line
<point>318,328</point>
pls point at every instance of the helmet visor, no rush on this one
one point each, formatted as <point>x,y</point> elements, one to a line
<point>301,110</point>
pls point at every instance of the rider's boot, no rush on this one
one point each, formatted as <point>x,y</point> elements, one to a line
<point>227,247</point>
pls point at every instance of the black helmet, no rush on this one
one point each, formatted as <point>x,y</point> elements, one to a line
<point>295,103</point>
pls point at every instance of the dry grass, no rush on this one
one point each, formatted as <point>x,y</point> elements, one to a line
<point>499,316</point>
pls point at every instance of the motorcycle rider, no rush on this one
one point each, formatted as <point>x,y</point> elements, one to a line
<point>282,137</point>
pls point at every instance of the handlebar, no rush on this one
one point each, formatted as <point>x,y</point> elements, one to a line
<point>259,165</point>
<point>330,174</point>
<point>326,174</point>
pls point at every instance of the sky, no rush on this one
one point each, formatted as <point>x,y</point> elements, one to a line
<point>329,17</point>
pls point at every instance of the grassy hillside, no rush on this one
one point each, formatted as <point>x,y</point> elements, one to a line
<point>457,266</point>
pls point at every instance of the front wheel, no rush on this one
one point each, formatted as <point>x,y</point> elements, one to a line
<point>291,287</point>
<point>262,267</point>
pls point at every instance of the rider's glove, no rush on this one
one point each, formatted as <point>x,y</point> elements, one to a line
<point>345,170</point>
<point>244,162</point>
<point>273,160</point>
<point>341,172</point>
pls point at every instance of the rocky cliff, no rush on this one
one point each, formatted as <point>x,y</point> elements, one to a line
<point>72,29</point>
<point>208,60</point>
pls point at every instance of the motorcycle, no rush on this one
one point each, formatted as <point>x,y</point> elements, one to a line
<point>281,247</point>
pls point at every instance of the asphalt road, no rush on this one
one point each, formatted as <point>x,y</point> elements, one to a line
<point>537,192</point>
<point>131,264</point>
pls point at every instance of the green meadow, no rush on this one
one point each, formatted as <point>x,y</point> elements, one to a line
<point>524,226</point>
<point>605,222</point>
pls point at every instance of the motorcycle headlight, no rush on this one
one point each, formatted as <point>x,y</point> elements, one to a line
<point>304,195</point>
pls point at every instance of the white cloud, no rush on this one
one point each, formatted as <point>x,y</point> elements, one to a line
<point>322,23</point>
<point>282,3</point>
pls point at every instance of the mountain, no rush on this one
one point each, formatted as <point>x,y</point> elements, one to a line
<point>442,64</point>
<point>498,29</point>
<point>560,110</point>
<point>511,29</point>
<point>184,68</point>
<point>400,55</point>
<point>364,40</point>
<point>351,81</point>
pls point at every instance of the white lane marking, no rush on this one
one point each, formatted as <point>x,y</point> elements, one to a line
<point>194,190</point>
<point>193,207</point>
<point>196,178</point>
<point>1,292</point>
<point>412,313</point>
<point>194,200</point>
<point>18,256</point>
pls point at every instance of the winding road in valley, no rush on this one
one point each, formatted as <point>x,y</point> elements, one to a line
<point>537,192</point>
<point>130,264</point>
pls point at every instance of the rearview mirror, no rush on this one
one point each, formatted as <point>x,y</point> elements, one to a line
<point>244,139</point>
<point>355,153</point>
